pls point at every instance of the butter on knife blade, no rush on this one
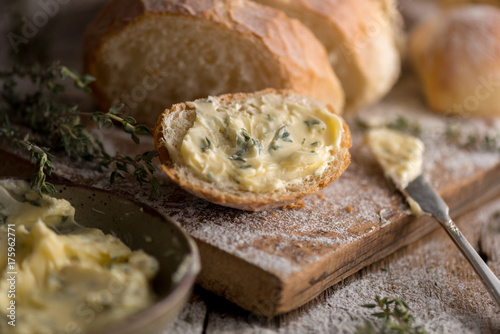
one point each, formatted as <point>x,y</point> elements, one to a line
<point>401,157</point>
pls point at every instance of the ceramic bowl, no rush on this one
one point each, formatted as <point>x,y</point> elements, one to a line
<point>141,227</point>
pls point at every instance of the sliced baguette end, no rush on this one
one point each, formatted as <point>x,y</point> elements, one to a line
<point>165,134</point>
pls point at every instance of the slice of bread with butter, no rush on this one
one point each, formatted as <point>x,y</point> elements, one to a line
<point>152,54</point>
<point>253,151</point>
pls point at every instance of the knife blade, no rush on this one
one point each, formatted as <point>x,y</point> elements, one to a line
<point>429,201</point>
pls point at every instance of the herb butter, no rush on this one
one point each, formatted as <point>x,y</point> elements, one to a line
<point>399,155</point>
<point>260,145</point>
<point>66,283</point>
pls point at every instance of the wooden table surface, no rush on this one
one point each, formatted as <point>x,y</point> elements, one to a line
<point>444,294</point>
<point>431,275</point>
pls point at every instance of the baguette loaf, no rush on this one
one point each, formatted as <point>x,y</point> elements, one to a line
<point>362,38</point>
<point>151,54</point>
<point>456,54</point>
<point>272,160</point>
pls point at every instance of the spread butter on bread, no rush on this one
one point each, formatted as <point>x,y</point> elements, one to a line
<point>253,151</point>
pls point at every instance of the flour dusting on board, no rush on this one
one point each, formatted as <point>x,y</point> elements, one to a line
<point>436,297</point>
<point>440,299</point>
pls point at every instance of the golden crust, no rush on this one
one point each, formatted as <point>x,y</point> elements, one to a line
<point>455,54</point>
<point>241,200</point>
<point>363,38</point>
<point>303,63</point>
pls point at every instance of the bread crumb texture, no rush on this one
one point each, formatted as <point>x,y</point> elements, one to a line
<point>152,54</point>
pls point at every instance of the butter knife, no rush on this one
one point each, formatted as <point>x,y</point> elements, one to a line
<point>420,191</point>
<point>401,157</point>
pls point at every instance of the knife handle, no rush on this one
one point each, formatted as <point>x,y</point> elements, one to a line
<point>489,279</point>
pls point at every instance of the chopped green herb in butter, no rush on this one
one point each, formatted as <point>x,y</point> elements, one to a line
<point>260,144</point>
<point>64,279</point>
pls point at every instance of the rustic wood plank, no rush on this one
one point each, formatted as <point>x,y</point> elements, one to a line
<point>431,275</point>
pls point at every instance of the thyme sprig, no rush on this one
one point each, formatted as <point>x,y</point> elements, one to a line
<point>471,141</point>
<point>395,315</point>
<point>128,123</point>
<point>42,160</point>
<point>141,165</point>
<point>407,126</point>
<point>38,119</point>
<point>401,124</point>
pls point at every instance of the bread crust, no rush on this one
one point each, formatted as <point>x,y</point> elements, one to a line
<point>365,36</point>
<point>456,56</point>
<point>246,200</point>
<point>303,63</point>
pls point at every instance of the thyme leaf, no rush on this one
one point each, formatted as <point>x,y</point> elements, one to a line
<point>471,141</point>
<point>46,121</point>
<point>281,134</point>
<point>395,315</point>
<point>257,144</point>
<point>245,135</point>
<point>311,122</point>
<point>206,145</point>
<point>405,125</point>
<point>246,145</point>
<point>401,124</point>
<point>238,156</point>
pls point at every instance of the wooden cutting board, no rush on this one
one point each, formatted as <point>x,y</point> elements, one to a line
<point>272,262</point>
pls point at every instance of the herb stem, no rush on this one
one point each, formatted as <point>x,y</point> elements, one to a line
<point>68,131</point>
<point>58,125</point>
<point>116,118</point>
<point>91,140</point>
<point>396,316</point>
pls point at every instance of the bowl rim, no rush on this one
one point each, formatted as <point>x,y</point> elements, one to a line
<point>146,316</point>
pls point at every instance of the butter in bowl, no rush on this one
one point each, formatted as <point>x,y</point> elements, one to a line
<point>88,261</point>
